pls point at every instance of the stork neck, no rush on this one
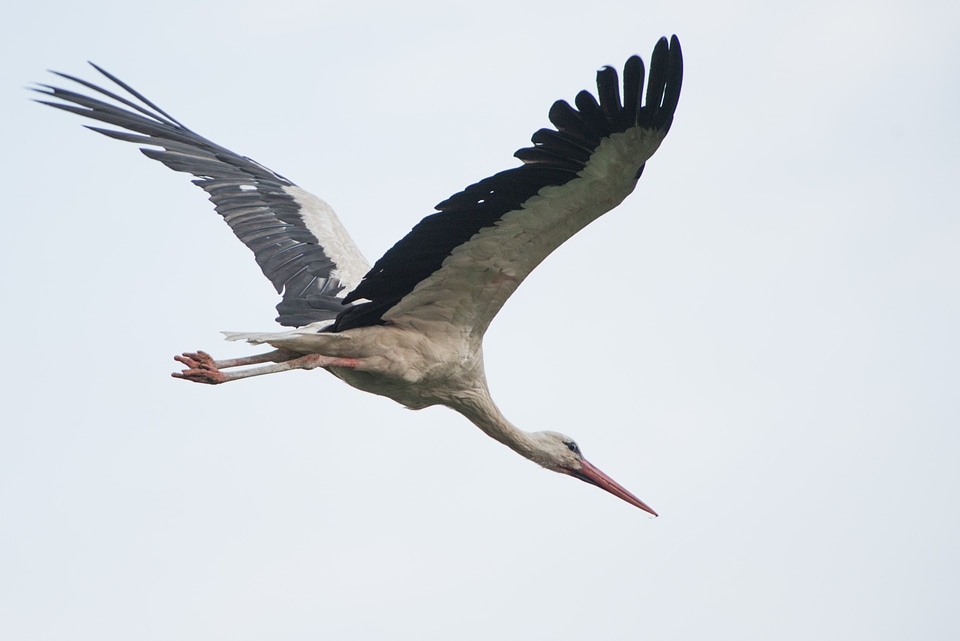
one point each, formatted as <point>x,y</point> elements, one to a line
<point>480,409</point>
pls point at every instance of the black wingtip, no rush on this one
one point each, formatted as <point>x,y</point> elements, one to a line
<point>671,95</point>
<point>608,91</point>
<point>663,85</point>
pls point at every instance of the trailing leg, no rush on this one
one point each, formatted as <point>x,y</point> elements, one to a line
<point>202,368</point>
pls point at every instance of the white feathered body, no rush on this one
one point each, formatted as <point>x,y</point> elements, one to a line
<point>414,367</point>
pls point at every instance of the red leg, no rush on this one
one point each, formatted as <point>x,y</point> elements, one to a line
<point>201,368</point>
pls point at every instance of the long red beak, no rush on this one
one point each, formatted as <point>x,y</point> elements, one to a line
<point>594,476</point>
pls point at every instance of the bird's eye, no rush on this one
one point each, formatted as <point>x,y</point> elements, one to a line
<point>572,447</point>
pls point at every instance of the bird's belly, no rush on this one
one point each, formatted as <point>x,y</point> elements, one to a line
<point>411,394</point>
<point>413,372</point>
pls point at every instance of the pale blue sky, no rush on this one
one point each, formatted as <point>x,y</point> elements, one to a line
<point>761,342</point>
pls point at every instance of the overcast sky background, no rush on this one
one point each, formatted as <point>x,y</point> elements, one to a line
<point>761,342</point>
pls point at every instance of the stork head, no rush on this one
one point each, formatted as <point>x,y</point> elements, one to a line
<point>561,453</point>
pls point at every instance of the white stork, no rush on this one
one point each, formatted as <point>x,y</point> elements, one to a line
<point>411,328</point>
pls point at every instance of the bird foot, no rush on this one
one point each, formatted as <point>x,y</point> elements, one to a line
<point>201,368</point>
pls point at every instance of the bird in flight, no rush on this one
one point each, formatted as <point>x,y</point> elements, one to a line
<point>411,327</point>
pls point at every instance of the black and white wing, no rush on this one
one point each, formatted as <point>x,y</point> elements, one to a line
<point>459,266</point>
<point>297,239</point>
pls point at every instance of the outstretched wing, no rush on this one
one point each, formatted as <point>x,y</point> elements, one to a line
<point>297,239</point>
<point>460,265</point>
